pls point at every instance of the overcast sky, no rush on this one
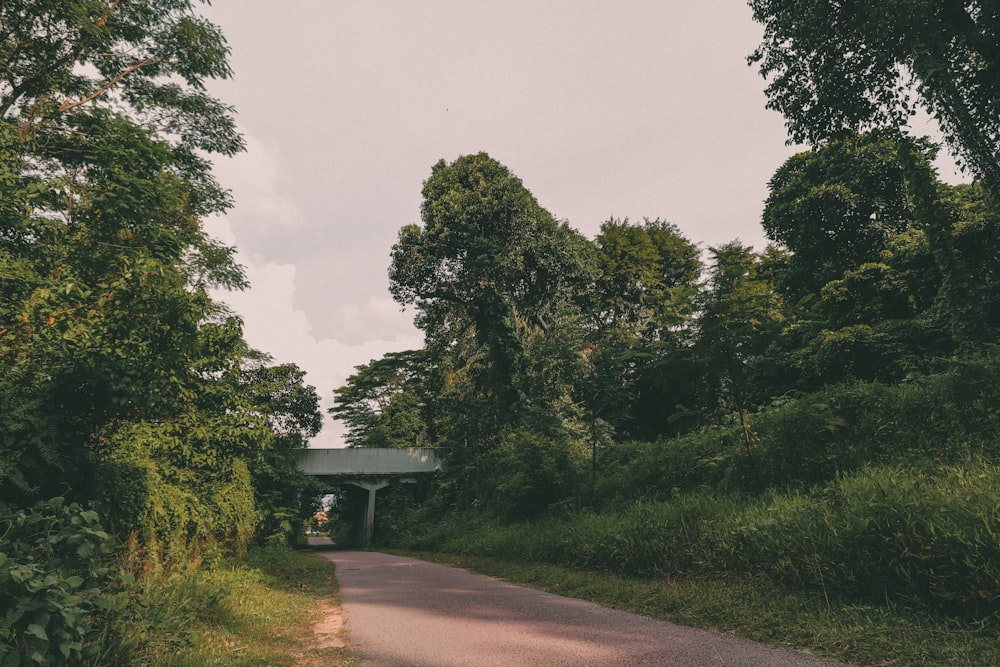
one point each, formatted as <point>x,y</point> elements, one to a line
<point>603,108</point>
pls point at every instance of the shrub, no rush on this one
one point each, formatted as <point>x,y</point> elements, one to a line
<point>642,540</point>
<point>531,472</point>
<point>921,537</point>
<point>706,460</point>
<point>810,440</point>
<point>60,590</point>
<point>937,418</point>
<point>184,506</point>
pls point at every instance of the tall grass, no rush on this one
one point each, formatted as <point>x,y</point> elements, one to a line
<point>642,540</point>
<point>928,538</point>
<point>255,612</point>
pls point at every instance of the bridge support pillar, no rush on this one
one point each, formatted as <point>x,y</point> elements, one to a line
<point>372,487</point>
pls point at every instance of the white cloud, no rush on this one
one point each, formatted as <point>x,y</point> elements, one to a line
<point>266,220</point>
<point>378,317</point>
<point>273,325</point>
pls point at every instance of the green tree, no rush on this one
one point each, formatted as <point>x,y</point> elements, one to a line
<point>278,393</point>
<point>836,208</point>
<point>149,59</point>
<point>741,316</point>
<point>101,320</point>
<point>490,268</point>
<point>868,61</point>
<point>103,125</point>
<point>862,216</point>
<point>862,71</point>
<point>383,404</point>
<point>638,309</point>
<point>495,280</point>
<point>120,379</point>
<point>645,276</point>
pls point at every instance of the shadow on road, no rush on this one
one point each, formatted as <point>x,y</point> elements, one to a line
<point>446,617</point>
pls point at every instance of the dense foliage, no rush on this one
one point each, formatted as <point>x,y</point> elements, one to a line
<point>126,393</point>
<point>820,411</point>
<point>59,587</point>
<point>873,62</point>
<point>526,378</point>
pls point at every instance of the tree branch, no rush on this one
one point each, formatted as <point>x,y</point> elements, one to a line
<point>67,104</point>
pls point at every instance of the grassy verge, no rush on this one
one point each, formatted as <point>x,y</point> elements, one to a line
<point>262,613</point>
<point>757,609</point>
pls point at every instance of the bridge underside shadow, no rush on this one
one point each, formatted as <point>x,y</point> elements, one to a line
<point>369,468</point>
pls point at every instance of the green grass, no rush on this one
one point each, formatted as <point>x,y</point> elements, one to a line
<point>758,609</point>
<point>261,615</point>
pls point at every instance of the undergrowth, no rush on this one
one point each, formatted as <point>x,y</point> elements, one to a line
<point>923,538</point>
<point>69,597</point>
<point>254,613</point>
<point>877,507</point>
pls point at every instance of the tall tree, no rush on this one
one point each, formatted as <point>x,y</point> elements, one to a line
<point>837,207</point>
<point>741,316</point>
<point>864,69</point>
<point>148,59</point>
<point>119,377</point>
<point>637,308</point>
<point>488,262</point>
<point>645,274</point>
<point>842,205</point>
<point>101,313</point>
<point>495,278</point>
<point>857,64</point>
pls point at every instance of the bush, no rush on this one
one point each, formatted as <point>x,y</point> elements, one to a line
<point>531,473</point>
<point>60,591</point>
<point>706,460</point>
<point>928,538</point>
<point>925,537</point>
<point>642,540</point>
<point>183,506</point>
<point>798,443</point>
<point>937,418</point>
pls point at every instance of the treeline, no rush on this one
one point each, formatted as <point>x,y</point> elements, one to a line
<point>139,434</point>
<point>733,409</point>
<point>545,349</point>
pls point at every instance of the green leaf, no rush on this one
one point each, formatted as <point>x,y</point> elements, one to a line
<point>36,630</point>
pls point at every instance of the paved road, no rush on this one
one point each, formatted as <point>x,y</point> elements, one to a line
<point>401,612</point>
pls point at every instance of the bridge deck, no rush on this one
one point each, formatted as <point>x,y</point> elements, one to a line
<point>368,461</point>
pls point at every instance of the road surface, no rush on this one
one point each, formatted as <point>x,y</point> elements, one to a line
<point>401,612</point>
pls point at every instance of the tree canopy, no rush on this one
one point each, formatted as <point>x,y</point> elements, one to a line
<point>857,64</point>
<point>488,262</point>
<point>121,380</point>
<point>383,402</point>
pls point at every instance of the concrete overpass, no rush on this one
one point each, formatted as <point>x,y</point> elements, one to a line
<point>369,468</point>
